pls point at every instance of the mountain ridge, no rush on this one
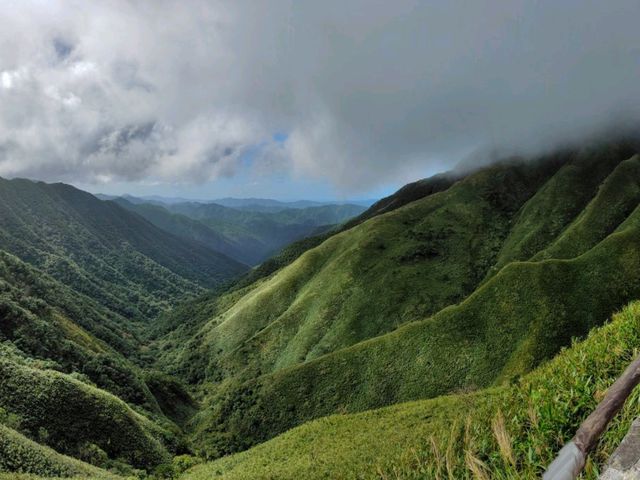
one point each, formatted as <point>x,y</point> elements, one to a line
<point>255,394</point>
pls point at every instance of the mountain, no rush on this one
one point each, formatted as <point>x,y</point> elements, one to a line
<point>434,335</point>
<point>187,228</point>
<point>104,251</point>
<point>83,281</point>
<point>245,235</point>
<point>408,193</point>
<point>270,205</point>
<point>477,283</point>
<point>510,431</point>
<point>251,204</point>
<point>69,381</point>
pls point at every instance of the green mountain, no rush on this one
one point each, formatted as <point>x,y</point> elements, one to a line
<point>187,228</point>
<point>247,234</point>
<point>408,193</point>
<point>355,322</point>
<point>264,233</point>
<point>104,251</point>
<point>270,205</point>
<point>422,338</point>
<point>69,381</point>
<point>510,431</point>
<point>80,282</point>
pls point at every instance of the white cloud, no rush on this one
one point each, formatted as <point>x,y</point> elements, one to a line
<point>7,80</point>
<point>369,91</point>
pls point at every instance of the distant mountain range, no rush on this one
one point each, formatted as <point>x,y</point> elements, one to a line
<point>253,204</point>
<point>250,231</point>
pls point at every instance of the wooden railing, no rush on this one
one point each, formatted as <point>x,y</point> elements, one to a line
<point>571,459</point>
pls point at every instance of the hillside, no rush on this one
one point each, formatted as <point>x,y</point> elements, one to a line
<point>353,323</point>
<point>77,292</point>
<point>424,320</point>
<point>511,431</point>
<point>246,232</point>
<point>103,251</point>
<point>261,234</point>
<point>270,205</point>
<point>186,228</point>
<point>408,193</point>
<point>323,301</point>
<point>68,381</point>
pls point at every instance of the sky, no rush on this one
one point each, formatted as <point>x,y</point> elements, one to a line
<point>292,99</point>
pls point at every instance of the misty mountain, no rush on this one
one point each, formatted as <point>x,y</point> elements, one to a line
<point>475,282</point>
<point>269,205</point>
<point>246,235</point>
<point>448,303</point>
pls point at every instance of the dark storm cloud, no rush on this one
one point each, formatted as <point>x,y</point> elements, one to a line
<point>368,91</point>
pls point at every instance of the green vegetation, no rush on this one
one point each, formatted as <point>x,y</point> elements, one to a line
<point>419,339</point>
<point>355,322</point>
<point>101,250</point>
<point>560,201</point>
<point>409,193</point>
<point>20,455</point>
<point>50,322</point>
<point>185,227</point>
<point>247,235</point>
<point>72,307</point>
<point>75,418</point>
<point>523,316</point>
<point>414,261</point>
<point>508,432</point>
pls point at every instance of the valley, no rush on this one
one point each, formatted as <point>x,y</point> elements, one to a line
<point>462,327</point>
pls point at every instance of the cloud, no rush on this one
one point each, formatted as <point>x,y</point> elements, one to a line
<point>368,91</point>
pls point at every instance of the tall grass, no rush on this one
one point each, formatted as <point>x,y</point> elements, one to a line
<point>509,432</point>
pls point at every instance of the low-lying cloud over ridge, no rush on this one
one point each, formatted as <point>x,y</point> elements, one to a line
<point>365,89</point>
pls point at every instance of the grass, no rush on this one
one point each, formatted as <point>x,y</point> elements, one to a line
<point>407,194</point>
<point>49,321</point>
<point>560,200</point>
<point>413,261</point>
<point>333,331</point>
<point>103,251</point>
<point>24,458</point>
<point>518,319</point>
<point>452,290</point>
<point>255,235</point>
<point>72,416</point>
<point>505,432</point>
<point>617,198</point>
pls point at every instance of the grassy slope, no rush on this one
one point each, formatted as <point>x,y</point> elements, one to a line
<point>369,280</point>
<point>559,201</point>
<point>51,322</point>
<point>447,436</point>
<point>617,197</point>
<point>46,326</point>
<point>407,194</point>
<point>103,251</point>
<point>520,317</point>
<point>68,414</point>
<point>19,454</point>
<point>401,266</point>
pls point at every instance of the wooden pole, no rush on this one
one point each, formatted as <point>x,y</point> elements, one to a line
<point>571,459</point>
